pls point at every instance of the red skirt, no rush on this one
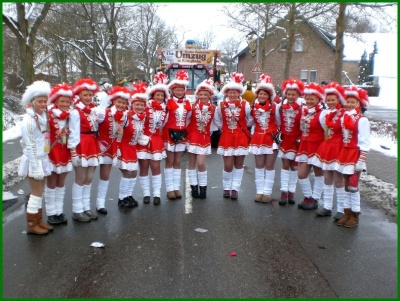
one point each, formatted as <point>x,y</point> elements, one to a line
<point>347,160</point>
<point>288,147</point>
<point>262,144</point>
<point>60,158</point>
<point>88,150</point>
<point>127,157</point>
<point>198,143</point>
<point>307,150</point>
<point>155,150</point>
<point>233,144</point>
<point>327,155</point>
<point>171,145</point>
<point>108,151</point>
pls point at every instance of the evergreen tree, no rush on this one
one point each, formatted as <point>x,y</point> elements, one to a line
<point>363,67</point>
<point>371,61</point>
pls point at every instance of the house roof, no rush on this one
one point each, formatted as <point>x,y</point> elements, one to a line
<point>324,35</point>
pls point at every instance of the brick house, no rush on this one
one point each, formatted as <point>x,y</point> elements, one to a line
<point>313,57</point>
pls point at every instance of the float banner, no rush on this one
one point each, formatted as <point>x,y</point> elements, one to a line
<point>197,56</point>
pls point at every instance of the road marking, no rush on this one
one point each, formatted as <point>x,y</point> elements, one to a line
<point>188,197</point>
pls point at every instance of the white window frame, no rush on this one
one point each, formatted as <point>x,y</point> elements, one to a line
<point>304,76</point>
<point>299,45</point>
<point>316,75</point>
<point>283,43</point>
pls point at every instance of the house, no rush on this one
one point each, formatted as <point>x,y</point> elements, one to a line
<point>313,55</point>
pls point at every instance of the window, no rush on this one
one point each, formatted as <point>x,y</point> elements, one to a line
<point>313,76</point>
<point>299,45</point>
<point>283,45</point>
<point>304,76</point>
<point>308,76</point>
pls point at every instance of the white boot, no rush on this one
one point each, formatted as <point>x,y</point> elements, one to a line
<point>156,181</point>
<point>177,178</point>
<point>60,194</point>
<point>237,179</point>
<point>50,201</point>
<point>77,204</point>
<point>284,180</point>
<point>328,197</point>
<point>169,179</point>
<point>340,196</point>
<point>123,188</point>
<point>259,180</point>
<point>318,187</point>
<point>305,186</point>
<point>192,173</point>
<point>269,181</point>
<point>145,183</point>
<point>227,180</point>
<point>86,202</point>
<point>102,189</point>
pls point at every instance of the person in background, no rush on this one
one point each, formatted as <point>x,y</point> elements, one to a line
<point>127,141</point>
<point>59,103</point>
<point>312,128</point>
<point>101,97</point>
<point>352,157</point>
<point>84,147</point>
<point>289,116</point>
<point>199,138</point>
<point>152,151</point>
<point>233,117</point>
<point>111,121</point>
<point>263,144</point>
<point>174,133</point>
<point>328,152</point>
<point>35,144</point>
<point>248,94</point>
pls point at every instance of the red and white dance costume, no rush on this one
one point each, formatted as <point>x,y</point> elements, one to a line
<point>179,112</point>
<point>233,118</point>
<point>198,140</point>
<point>156,114</point>
<point>329,150</point>
<point>60,156</point>
<point>289,115</point>
<point>127,148</point>
<point>356,145</point>
<point>111,122</point>
<point>267,122</point>
<point>35,148</point>
<point>312,127</point>
<point>83,131</point>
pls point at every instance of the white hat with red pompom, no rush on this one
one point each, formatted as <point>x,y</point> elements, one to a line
<point>235,83</point>
<point>181,80</point>
<point>85,84</point>
<point>59,90</point>
<point>206,85</point>
<point>161,81</point>
<point>360,94</point>
<point>293,84</point>
<point>265,83</point>
<point>139,93</point>
<point>336,89</point>
<point>315,89</point>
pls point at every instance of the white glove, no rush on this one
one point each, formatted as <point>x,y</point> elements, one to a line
<point>361,165</point>
<point>37,172</point>
<point>76,161</point>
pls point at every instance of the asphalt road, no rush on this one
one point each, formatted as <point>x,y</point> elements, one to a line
<point>156,252</point>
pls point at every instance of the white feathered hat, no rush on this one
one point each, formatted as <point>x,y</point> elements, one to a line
<point>206,85</point>
<point>59,90</point>
<point>315,89</point>
<point>161,81</point>
<point>139,93</point>
<point>235,83</point>
<point>265,83</point>
<point>181,80</point>
<point>85,84</point>
<point>336,89</point>
<point>37,88</point>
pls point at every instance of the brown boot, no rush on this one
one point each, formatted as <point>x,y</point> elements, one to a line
<point>178,194</point>
<point>345,218</point>
<point>41,223</point>
<point>33,227</point>
<point>171,195</point>
<point>353,220</point>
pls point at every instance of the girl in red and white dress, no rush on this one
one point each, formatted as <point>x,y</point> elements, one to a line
<point>179,111</point>
<point>35,164</point>
<point>84,148</point>
<point>199,138</point>
<point>329,150</point>
<point>111,119</point>
<point>289,116</point>
<point>233,117</point>
<point>152,151</point>
<point>127,153</point>
<point>59,103</point>
<point>356,145</point>
<point>262,144</point>
<point>312,126</point>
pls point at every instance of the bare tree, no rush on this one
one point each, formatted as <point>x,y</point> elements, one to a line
<point>229,48</point>
<point>205,41</point>
<point>29,16</point>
